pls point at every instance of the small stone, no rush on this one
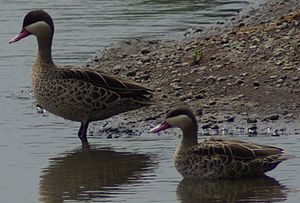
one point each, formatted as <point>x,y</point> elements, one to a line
<point>212,103</point>
<point>230,119</point>
<point>146,59</point>
<point>214,126</point>
<point>199,96</point>
<point>199,112</point>
<point>275,133</point>
<point>288,68</point>
<point>176,80</point>
<point>271,117</point>
<point>131,73</point>
<point>218,67</point>
<point>224,39</point>
<point>117,68</point>
<point>252,120</point>
<point>145,51</point>
<point>255,83</point>
<point>240,82</point>
<point>177,94</point>
<point>206,126</point>
<point>220,79</point>
<point>279,63</point>
<point>213,57</point>
<point>144,77</point>
<point>255,41</point>
<point>252,131</point>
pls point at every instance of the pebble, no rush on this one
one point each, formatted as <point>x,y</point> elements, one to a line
<point>144,76</point>
<point>199,96</point>
<point>131,73</point>
<point>230,119</point>
<point>252,119</point>
<point>256,83</point>
<point>212,103</point>
<point>146,59</point>
<point>199,112</point>
<point>220,79</point>
<point>145,51</point>
<point>272,117</point>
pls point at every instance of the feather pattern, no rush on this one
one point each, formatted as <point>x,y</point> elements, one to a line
<point>98,78</point>
<point>236,149</point>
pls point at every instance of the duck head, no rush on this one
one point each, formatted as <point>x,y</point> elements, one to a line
<point>180,117</point>
<point>38,23</point>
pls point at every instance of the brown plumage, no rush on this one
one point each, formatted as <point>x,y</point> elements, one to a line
<point>76,93</point>
<point>215,157</point>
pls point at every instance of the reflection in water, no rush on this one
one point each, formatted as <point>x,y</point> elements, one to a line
<point>263,189</point>
<point>88,174</point>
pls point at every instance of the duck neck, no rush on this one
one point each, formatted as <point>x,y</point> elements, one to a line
<point>189,136</point>
<point>44,50</point>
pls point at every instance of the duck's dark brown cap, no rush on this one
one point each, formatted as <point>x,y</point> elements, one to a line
<point>36,16</point>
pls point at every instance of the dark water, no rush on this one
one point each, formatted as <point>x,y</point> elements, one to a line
<point>41,157</point>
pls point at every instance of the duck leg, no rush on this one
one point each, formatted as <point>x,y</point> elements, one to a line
<point>82,132</point>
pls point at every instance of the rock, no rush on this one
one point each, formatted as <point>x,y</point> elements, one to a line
<point>213,57</point>
<point>146,59</point>
<point>272,77</point>
<point>199,96</point>
<point>206,126</point>
<point>199,112</point>
<point>212,103</point>
<point>252,131</point>
<point>271,117</point>
<point>220,79</point>
<point>255,83</point>
<point>145,76</point>
<point>230,119</point>
<point>288,68</point>
<point>275,133</point>
<point>224,39</point>
<point>240,82</point>
<point>145,51</point>
<point>255,41</point>
<point>252,119</point>
<point>214,126</point>
<point>131,73</point>
<point>211,79</point>
<point>219,67</point>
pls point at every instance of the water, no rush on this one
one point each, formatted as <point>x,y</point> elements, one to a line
<point>40,154</point>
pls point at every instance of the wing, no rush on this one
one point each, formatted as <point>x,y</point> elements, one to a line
<point>236,149</point>
<point>122,87</point>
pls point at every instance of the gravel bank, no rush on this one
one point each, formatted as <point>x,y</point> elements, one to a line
<point>246,70</point>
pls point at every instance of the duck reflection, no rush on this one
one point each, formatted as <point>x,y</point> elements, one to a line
<point>263,189</point>
<point>85,174</point>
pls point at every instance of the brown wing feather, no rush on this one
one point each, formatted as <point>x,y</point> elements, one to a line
<point>235,149</point>
<point>120,86</point>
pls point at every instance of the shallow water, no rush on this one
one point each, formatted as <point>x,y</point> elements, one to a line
<point>41,157</point>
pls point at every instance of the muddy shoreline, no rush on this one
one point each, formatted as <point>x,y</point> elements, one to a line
<point>245,72</point>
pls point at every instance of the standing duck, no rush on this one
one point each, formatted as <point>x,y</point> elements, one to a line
<point>74,93</point>
<point>217,158</point>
